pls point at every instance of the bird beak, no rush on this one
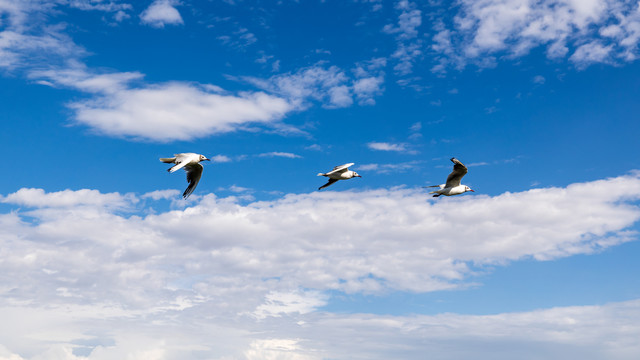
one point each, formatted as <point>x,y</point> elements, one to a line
<point>472,190</point>
<point>207,159</point>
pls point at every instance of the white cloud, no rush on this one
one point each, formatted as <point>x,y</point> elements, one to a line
<point>293,238</point>
<point>278,303</point>
<point>331,86</point>
<point>594,31</point>
<point>340,96</point>
<point>385,146</point>
<point>594,52</point>
<point>37,198</point>
<point>161,13</point>
<point>280,154</point>
<point>161,194</point>
<point>123,105</point>
<point>157,112</point>
<point>389,168</point>
<point>312,83</point>
<point>220,158</point>
<point>409,21</point>
<point>409,45</point>
<point>367,88</point>
<point>80,273</point>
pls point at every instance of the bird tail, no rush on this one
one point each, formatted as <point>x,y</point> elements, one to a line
<point>321,174</point>
<point>168,160</point>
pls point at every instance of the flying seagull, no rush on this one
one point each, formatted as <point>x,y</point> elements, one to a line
<point>191,164</point>
<point>453,187</point>
<point>338,173</point>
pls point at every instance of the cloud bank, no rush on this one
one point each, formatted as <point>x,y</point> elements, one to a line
<point>75,261</point>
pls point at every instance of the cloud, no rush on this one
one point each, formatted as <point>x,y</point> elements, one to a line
<point>409,20</point>
<point>161,13</point>
<point>595,31</point>
<point>367,88</point>
<point>220,158</point>
<point>37,198</point>
<point>389,168</point>
<point>325,85</point>
<point>594,52</point>
<point>330,86</point>
<point>588,332</point>
<point>409,46</point>
<point>278,303</point>
<point>385,146</point>
<point>121,104</point>
<point>280,154</point>
<point>161,194</point>
<point>99,274</point>
<point>157,111</point>
<point>554,223</point>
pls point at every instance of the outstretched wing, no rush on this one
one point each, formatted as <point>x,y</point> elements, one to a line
<point>459,170</point>
<point>194,173</point>
<point>340,168</point>
<point>331,181</point>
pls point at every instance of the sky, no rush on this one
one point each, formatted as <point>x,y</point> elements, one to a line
<point>101,258</point>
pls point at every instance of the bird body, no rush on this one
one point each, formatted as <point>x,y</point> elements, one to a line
<point>191,164</point>
<point>340,172</point>
<point>453,186</point>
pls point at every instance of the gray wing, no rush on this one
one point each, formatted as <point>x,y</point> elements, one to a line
<point>459,170</point>
<point>194,173</point>
<point>331,181</point>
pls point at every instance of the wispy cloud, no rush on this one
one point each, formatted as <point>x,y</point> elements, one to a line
<point>385,146</point>
<point>588,31</point>
<point>409,46</point>
<point>389,168</point>
<point>280,154</point>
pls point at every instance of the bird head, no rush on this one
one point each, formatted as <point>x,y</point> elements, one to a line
<point>203,158</point>
<point>355,174</point>
<point>466,188</point>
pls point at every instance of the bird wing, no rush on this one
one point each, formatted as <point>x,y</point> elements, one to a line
<point>331,181</point>
<point>194,173</point>
<point>340,168</point>
<point>168,160</point>
<point>180,163</point>
<point>459,170</point>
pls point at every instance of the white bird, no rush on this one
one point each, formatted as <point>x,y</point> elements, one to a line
<point>453,187</point>
<point>191,164</point>
<point>338,173</point>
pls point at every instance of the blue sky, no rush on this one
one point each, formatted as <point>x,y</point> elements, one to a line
<point>101,258</point>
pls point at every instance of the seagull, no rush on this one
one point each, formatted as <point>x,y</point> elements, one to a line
<point>452,187</point>
<point>191,164</point>
<point>338,173</point>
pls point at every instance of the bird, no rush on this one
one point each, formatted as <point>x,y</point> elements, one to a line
<point>340,172</point>
<point>191,164</point>
<point>453,186</point>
